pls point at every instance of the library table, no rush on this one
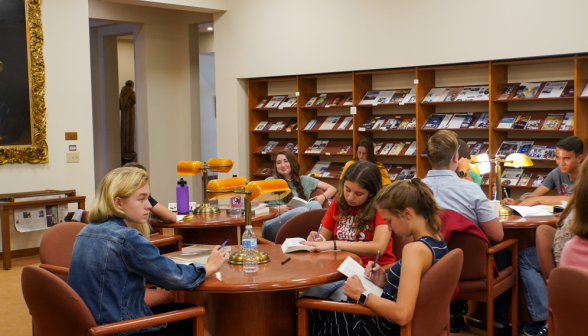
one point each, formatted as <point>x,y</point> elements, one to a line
<point>213,229</point>
<point>263,303</point>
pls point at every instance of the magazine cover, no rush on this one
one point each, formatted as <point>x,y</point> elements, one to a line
<point>568,122</point>
<point>379,123</point>
<point>476,149</point>
<point>261,125</point>
<point>553,121</point>
<point>267,126</point>
<point>467,121</point>
<point>507,122</point>
<point>321,100</point>
<point>567,92</point>
<point>368,123</point>
<point>369,98</point>
<point>399,96</point>
<point>337,100</point>
<point>484,121</point>
<point>525,178</point>
<point>391,124</point>
<point>322,146</point>
<point>343,149</point>
<point>387,149</point>
<point>344,123</point>
<point>329,123</point>
<point>457,120</point>
<point>314,147</point>
<point>311,101</point>
<point>349,100</point>
<point>270,146</point>
<point>310,125</point>
<point>384,97</point>
<point>261,103</point>
<point>451,94</point>
<point>288,102</point>
<point>377,147</point>
<point>511,176</point>
<point>277,126</point>
<point>553,89</point>
<point>468,93</point>
<point>319,168</point>
<point>446,120</point>
<point>524,147</point>
<point>539,180</point>
<point>508,90</point>
<point>434,121</point>
<point>527,91</point>
<point>411,149</point>
<point>537,152</point>
<point>483,94</point>
<point>533,124</point>
<point>521,122</point>
<point>289,147</point>
<point>508,147</point>
<point>549,153</point>
<point>292,124</point>
<point>411,124</point>
<point>434,95</point>
<point>410,97</point>
<point>275,101</point>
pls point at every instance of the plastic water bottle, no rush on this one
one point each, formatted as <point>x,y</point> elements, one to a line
<point>183,197</point>
<point>494,191</point>
<point>249,241</point>
<point>236,207</point>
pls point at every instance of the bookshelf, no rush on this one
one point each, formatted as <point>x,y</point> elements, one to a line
<point>495,75</point>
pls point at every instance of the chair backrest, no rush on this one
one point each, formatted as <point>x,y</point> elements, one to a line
<point>56,309</point>
<point>544,240</point>
<point>317,192</point>
<point>85,217</point>
<point>568,299</point>
<point>57,244</point>
<point>431,313</point>
<point>474,254</point>
<point>300,225</point>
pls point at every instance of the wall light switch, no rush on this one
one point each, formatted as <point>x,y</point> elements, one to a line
<point>73,157</point>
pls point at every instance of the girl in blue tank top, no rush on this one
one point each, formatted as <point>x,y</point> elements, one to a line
<point>410,210</point>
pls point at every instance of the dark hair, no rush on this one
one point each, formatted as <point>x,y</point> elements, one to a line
<point>368,144</point>
<point>441,148</point>
<point>571,144</point>
<point>295,175</point>
<point>368,176</point>
<point>135,165</point>
<point>414,194</point>
<point>579,203</point>
<point>464,150</point>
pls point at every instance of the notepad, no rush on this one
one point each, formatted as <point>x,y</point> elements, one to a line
<point>530,211</point>
<point>350,268</point>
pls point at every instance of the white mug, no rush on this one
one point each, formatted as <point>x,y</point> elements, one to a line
<point>496,207</point>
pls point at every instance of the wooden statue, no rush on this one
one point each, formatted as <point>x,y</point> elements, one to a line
<point>127,123</point>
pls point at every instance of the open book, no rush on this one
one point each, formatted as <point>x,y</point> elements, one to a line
<point>297,202</point>
<point>293,245</point>
<point>196,254</point>
<point>350,268</point>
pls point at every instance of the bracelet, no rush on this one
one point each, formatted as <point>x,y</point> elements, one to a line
<point>334,244</point>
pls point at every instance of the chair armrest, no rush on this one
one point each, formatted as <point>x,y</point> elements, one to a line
<point>501,246</point>
<point>343,307</point>
<point>261,240</point>
<point>148,321</point>
<point>55,269</point>
<point>158,240</point>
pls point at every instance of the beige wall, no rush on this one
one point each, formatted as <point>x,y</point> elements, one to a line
<point>69,109</point>
<point>258,38</point>
<point>126,60</point>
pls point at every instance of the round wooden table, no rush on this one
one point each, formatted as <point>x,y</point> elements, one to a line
<point>213,229</point>
<point>263,303</point>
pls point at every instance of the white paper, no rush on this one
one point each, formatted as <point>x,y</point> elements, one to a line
<point>350,268</point>
<point>552,90</point>
<point>329,123</point>
<point>345,122</point>
<point>31,219</point>
<point>529,211</point>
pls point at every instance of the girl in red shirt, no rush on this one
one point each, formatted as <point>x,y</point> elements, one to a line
<point>353,224</point>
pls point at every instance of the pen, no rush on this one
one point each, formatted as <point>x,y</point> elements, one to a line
<point>504,189</point>
<point>374,265</point>
<point>223,245</point>
<point>318,233</point>
<point>285,261</point>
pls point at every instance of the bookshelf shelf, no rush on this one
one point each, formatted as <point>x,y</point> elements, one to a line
<point>353,86</point>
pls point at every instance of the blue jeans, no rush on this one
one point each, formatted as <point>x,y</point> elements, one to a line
<point>332,291</point>
<point>270,228</point>
<point>535,288</point>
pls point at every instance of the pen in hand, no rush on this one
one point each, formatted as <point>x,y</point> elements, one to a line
<point>318,233</point>
<point>223,245</point>
<point>374,264</point>
<point>504,189</point>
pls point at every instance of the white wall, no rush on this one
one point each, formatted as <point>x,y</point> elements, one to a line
<point>126,60</point>
<point>258,38</point>
<point>208,119</point>
<point>69,109</point>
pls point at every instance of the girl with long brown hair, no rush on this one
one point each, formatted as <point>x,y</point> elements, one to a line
<point>364,151</point>
<point>286,167</point>
<point>353,224</point>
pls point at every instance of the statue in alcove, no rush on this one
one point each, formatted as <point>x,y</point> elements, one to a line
<point>127,123</point>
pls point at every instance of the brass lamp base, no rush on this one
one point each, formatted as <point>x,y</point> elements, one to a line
<point>206,208</point>
<point>505,211</point>
<point>237,257</point>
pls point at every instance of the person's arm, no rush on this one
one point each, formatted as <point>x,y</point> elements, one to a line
<point>493,229</point>
<point>548,200</point>
<point>417,259</point>
<point>364,248</point>
<point>163,213</point>
<point>464,165</point>
<point>540,191</point>
<point>328,192</point>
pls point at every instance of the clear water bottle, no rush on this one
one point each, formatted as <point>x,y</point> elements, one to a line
<point>494,194</point>
<point>249,241</point>
<point>236,207</point>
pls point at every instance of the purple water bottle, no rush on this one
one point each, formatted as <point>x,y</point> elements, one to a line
<point>183,197</point>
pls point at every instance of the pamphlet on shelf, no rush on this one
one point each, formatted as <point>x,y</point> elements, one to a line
<point>470,93</point>
<point>585,91</point>
<point>510,177</point>
<point>329,123</point>
<point>410,97</point>
<point>289,147</point>
<point>457,120</point>
<point>483,121</point>
<point>377,147</point>
<point>336,101</point>
<point>384,97</point>
<point>350,268</point>
<point>527,90</point>
<point>311,102</point>
<point>568,122</point>
<point>434,121</point>
<point>539,180</point>
<point>506,122</point>
<point>508,90</point>
<point>451,94</point>
<point>467,121</point>
<point>549,153</point>
<point>369,98</point>
<point>411,149</point>
<point>399,96</point>
<point>310,125</point>
<point>277,126</point>
<point>349,101</point>
<point>275,101</point>
<point>289,101</point>
<point>321,100</point>
<point>434,95</point>
<point>525,178</point>
<point>378,124</point>
<point>553,89</point>
<point>267,126</point>
<point>386,149</point>
<point>270,146</point>
<point>261,103</point>
<point>344,123</point>
<point>344,149</point>
<point>553,121</point>
<point>292,124</point>
<point>521,122</point>
<point>533,124</point>
<point>261,125</point>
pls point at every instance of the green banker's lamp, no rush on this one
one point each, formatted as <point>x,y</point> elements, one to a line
<point>481,164</point>
<point>256,191</point>
<point>189,168</point>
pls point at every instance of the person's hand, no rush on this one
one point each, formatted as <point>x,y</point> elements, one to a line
<point>463,164</point>
<point>311,238</point>
<point>283,209</point>
<point>215,261</point>
<point>530,201</point>
<point>378,274</point>
<point>508,201</point>
<point>353,287</point>
<point>319,245</point>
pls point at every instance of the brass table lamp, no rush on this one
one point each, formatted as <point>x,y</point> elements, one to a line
<point>481,165</point>
<point>189,168</point>
<point>256,191</point>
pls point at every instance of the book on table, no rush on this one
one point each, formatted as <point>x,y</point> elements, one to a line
<point>293,245</point>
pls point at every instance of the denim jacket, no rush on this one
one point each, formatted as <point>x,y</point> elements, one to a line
<point>109,265</point>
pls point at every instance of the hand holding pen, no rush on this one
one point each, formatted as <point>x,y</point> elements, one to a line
<point>375,263</point>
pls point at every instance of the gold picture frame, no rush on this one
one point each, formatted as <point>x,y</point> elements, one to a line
<point>37,151</point>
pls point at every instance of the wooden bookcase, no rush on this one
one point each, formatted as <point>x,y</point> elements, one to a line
<point>494,74</point>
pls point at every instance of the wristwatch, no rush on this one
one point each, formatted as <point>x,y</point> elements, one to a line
<point>363,297</point>
<point>461,173</point>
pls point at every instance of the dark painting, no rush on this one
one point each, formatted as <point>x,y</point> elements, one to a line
<point>15,111</point>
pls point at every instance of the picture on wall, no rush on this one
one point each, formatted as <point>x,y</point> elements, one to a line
<point>22,83</point>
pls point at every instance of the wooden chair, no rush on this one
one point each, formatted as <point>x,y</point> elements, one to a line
<point>431,314</point>
<point>477,281</point>
<point>56,309</point>
<point>568,301</point>
<point>544,241</point>
<point>55,253</point>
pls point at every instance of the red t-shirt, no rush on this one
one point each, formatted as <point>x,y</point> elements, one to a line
<point>345,232</point>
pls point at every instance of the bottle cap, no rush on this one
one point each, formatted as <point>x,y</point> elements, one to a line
<point>182,183</point>
<point>247,227</point>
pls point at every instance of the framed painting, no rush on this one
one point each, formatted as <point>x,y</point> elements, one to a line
<point>23,129</point>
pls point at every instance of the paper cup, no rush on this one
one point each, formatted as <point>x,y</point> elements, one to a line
<point>496,207</point>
